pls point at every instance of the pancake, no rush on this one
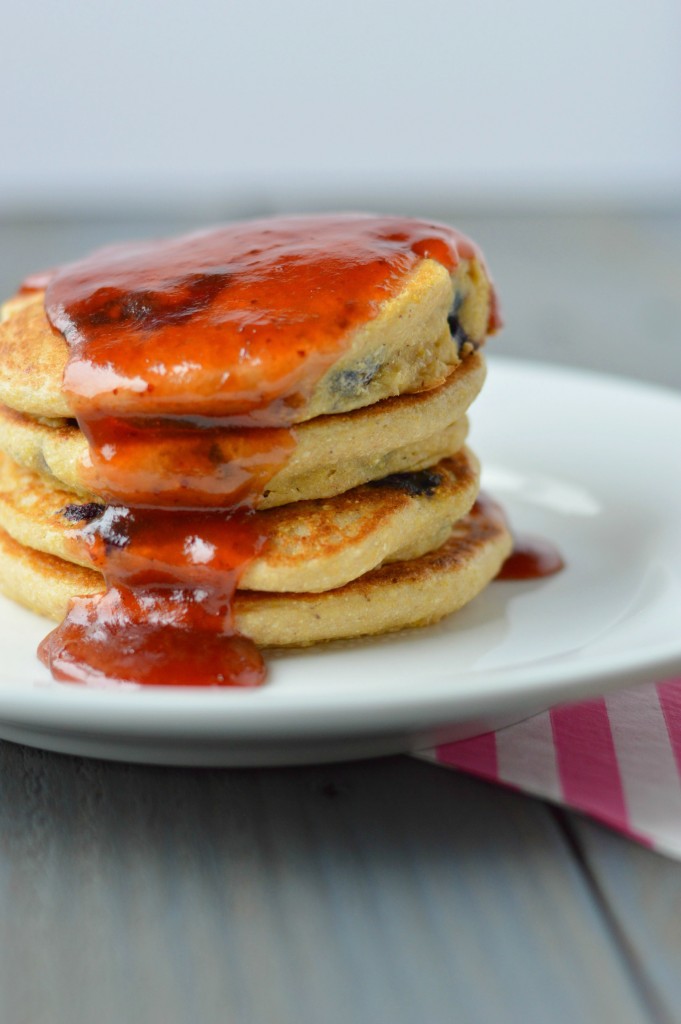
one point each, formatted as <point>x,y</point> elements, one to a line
<point>311,546</point>
<point>406,347</point>
<point>253,432</point>
<point>415,592</point>
<point>332,454</point>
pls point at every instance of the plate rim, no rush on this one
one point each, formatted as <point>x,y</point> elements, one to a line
<point>156,712</point>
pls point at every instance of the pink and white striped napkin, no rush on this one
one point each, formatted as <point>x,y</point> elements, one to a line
<point>617,758</point>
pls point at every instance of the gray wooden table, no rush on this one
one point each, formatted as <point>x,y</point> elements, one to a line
<point>380,891</point>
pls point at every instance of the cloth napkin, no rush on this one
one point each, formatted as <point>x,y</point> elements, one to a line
<point>616,758</point>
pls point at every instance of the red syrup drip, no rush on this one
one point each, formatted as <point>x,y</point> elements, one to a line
<point>532,558</point>
<point>132,636</point>
<point>189,360</point>
<point>167,615</point>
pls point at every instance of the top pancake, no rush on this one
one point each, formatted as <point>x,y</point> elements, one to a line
<point>407,347</point>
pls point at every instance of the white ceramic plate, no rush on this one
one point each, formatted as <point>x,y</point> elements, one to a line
<point>591,462</point>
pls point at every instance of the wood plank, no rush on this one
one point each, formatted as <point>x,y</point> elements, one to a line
<point>390,890</point>
<point>640,891</point>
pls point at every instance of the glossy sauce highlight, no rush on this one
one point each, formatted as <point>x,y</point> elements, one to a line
<point>190,360</point>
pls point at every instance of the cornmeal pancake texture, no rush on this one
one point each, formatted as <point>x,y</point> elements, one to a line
<point>415,592</point>
<point>406,347</point>
<point>332,453</point>
<point>311,546</point>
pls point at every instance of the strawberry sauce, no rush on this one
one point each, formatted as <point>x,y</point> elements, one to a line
<point>190,360</point>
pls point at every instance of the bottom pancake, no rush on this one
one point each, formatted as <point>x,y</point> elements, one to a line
<point>410,593</point>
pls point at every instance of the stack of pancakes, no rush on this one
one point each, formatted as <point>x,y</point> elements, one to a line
<point>370,524</point>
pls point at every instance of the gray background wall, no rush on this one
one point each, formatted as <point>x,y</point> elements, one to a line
<point>302,103</point>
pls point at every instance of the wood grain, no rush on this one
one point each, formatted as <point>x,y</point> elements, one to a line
<point>380,891</point>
